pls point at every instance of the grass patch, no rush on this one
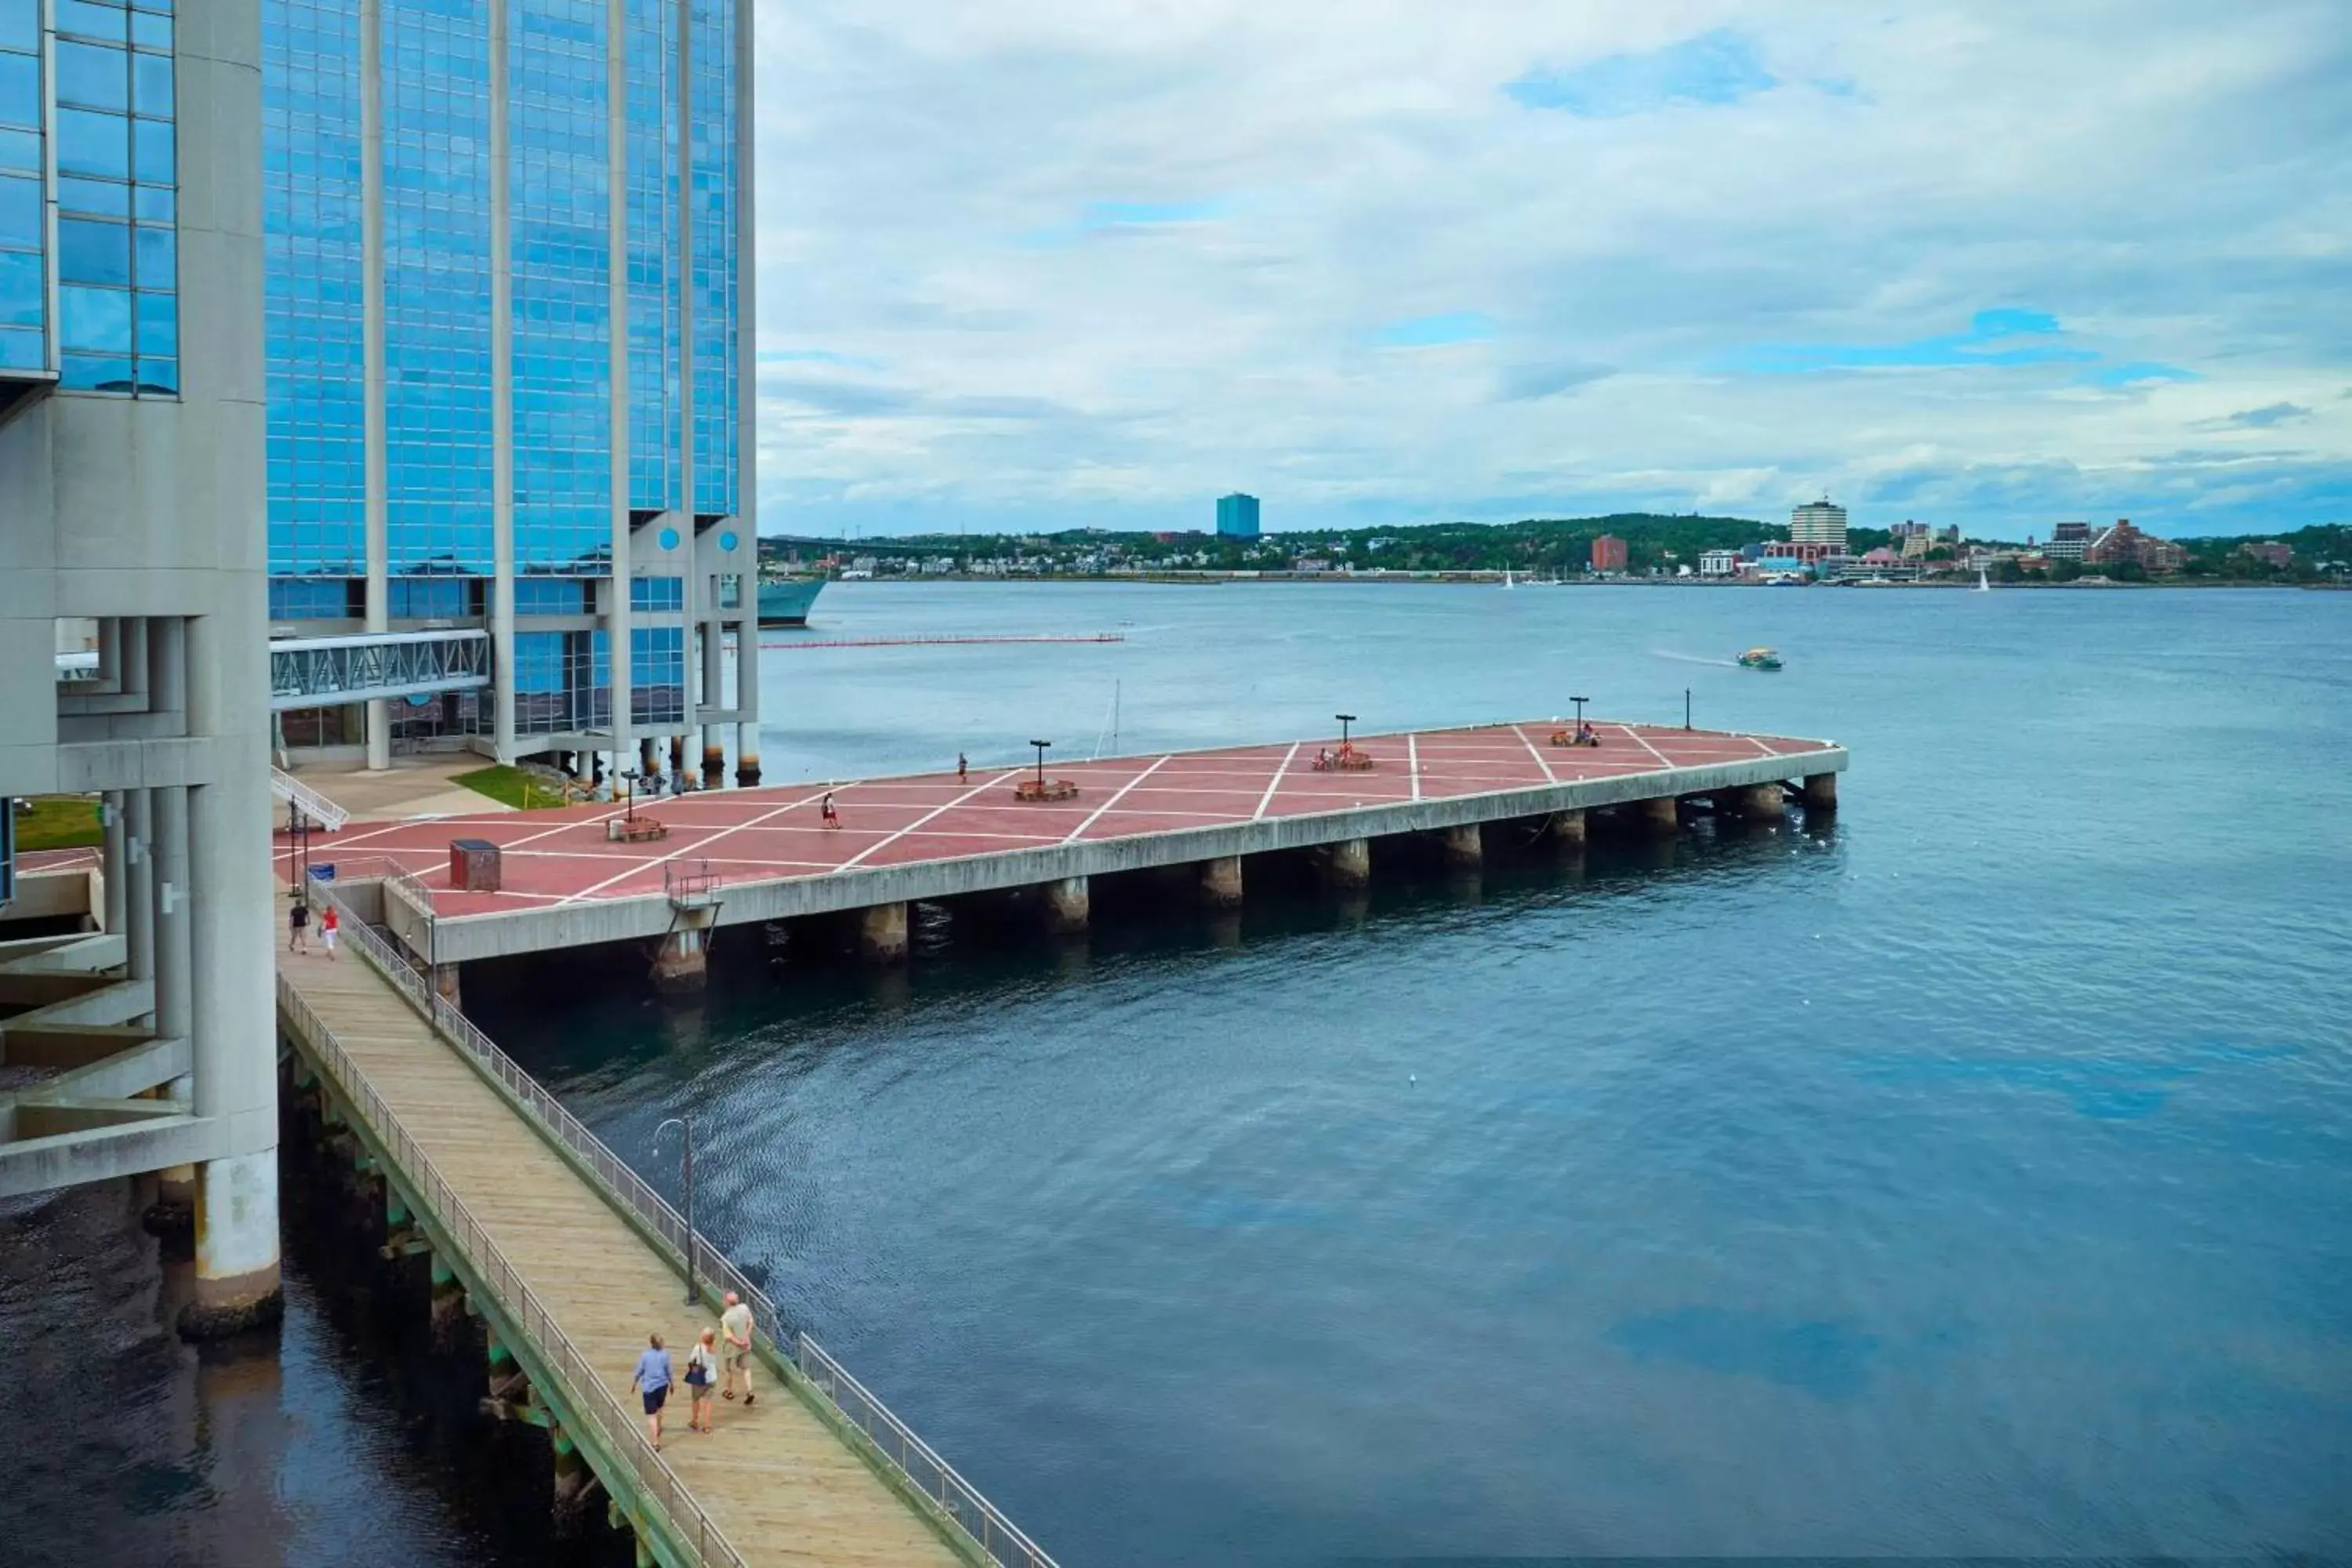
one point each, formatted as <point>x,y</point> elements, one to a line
<point>512,786</point>
<point>60,822</point>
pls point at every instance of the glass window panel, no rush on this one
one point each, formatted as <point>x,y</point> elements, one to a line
<point>93,252</point>
<point>151,84</point>
<point>94,196</point>
<point>89,372</point>
<point>158,258</point>
<point>22,280</point>
<point>159,375</point>
<point>150,32</point>
<point>153,139</point>
<point>21,349</point>
<point>159,325</point>
<point>91,143</point>
<point>154,202</point>
<point>20,213</point>
<point>164,6</point>
<point>95,318</point>
<point>93,76</point>
<point>20,25</point>
<point>20,89</point>
<point>20,150</point>
<point>93,21</point>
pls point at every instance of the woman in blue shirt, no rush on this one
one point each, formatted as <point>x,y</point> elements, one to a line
<point>653,1380</point>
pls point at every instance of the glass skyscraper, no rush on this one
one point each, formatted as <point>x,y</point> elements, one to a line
<point>507,246</point>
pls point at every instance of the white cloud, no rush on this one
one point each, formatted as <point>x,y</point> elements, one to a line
<point>1058,264</point>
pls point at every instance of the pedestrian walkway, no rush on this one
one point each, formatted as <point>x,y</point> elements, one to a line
<point>777,1481</point>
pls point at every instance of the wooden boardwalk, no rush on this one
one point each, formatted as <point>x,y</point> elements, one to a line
<point>775,1479</point>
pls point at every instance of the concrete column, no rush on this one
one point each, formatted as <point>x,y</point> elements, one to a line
<point>1351,861</point>
<point>1066,904</point>
<point>1658,816</point>
<point>1821,792</point>
<point>882,932</point>
<point>372,426</point>
<point>1464,846</point>
<point>115,866</point>
<point>139,850</point>
<point>677,756</point>
<point>684,962</point>
<point>648,765</point>
<point>502,543</point>
<point>1755,803</point>
<point>1221,882</point>
<point>448,982</point>
<point>714,694</point>
<point>747,695</point>
<point>1568,831</point>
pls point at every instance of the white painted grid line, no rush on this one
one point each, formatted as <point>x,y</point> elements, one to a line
<point>1549,776</point>
<point>1283,767</point>
<point>1075,833</point>
<point>696,850</point>
<point>1633,736</point>
<point>998,781</point>
<point>1412,759</point>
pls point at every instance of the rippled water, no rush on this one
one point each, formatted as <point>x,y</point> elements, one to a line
<point>1975,1178</point>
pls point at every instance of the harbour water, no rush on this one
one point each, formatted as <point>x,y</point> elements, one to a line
<point>1973,1178</point>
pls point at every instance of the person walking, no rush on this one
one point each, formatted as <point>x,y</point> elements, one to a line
<point>964,769</point>
<point>298,926</point>
<point>652,1381</point>
<point>831,818</point>
<point>735,1322</point>
<point>329,923</point>
<point>702,1372</point>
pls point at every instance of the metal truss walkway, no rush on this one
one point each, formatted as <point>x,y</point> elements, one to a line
<point>319,672</point>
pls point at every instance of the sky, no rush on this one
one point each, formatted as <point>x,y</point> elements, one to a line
<point>1028,264</point>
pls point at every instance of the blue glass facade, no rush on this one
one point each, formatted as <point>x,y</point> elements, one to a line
<point>713,208</point>
<point>312,304</point>
<point>655,373</point>
<point>106,118</point>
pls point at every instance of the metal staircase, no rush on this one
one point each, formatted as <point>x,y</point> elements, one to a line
<point>325,814</point>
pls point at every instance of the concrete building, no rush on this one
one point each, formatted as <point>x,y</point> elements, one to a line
<point>2125,545</point>
<point>1719,563</point>
<point>2068,542</point>
<point>1237,516</point>
<point>509,329</point>
<point>2270,552</point>
<point>1608,554</point>
<point>1818,523</point>
<point>132,497</point>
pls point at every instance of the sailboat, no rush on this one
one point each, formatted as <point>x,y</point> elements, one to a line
<point>1984,584</point>
<point>1506,577</point>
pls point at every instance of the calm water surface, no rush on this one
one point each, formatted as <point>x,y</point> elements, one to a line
<point>1975,1178</point>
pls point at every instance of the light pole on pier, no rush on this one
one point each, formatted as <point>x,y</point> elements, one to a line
<point>1345,719</point>
<point>1041,746</point>
<point>684,1124</point>
<point>1580,703</point>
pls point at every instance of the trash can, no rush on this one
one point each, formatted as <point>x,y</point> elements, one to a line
<point>473,865</point>
<point>322,871</point>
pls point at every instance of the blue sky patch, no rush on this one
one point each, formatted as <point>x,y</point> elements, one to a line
<point>1720,67</point>
<point>2139,373</point>
<point>1435,332</point>
<point>1991,340</point>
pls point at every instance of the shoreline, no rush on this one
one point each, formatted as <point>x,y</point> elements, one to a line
<point>1494,580</point>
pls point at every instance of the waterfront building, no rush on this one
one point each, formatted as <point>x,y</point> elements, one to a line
<point>131,485</point>
<point>1608,554</point>
<point>1719,563</point>
<point>2125,545</point>
<point>1818,523</point>
<point>510,313</point>
<point>1237,516</point>
<point>2270,552</point>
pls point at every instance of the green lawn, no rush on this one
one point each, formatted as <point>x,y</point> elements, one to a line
<point>60,822</point>
<point>512,786</point>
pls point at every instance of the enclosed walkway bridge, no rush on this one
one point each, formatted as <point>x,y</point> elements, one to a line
<point>367,667</point>
<point>568,1259</point>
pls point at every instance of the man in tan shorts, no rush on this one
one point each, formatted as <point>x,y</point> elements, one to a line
<point>735,1327</point>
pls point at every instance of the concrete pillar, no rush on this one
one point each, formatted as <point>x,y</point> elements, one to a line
<point>714,693</point>
<point>747,693</point>
<point>882,932</point>
<point>648,764</point>
<point>1757,803</point>
<point>117,872</point>
<point>1821,792</point>
<point>170,945</point>
<point>677,756</point>
<point>1657,817</point>
<point>1067,907</point>
<point>448,982</point>
<point>138,849</point>
<point>1464,846</point>
<point>684,962</point>
<point>1568,831</point>
<point>1221,882</point>
<point>1349,863</point>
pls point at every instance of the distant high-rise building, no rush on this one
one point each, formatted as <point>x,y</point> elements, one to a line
<point>2068,542</point>
<point>1237,516</point>
<point>1608,554</point>
<point>1818,523</point>
<point>507,267</point>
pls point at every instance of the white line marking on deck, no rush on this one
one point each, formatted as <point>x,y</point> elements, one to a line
<point>1412,760</point>
<point>1283,767</point>
<point>1114,800</point>
<point>880,844</point>
<point>696,850</point>
<point>1549,776</point>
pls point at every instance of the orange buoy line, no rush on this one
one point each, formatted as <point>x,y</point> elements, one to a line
<point>917,642</point>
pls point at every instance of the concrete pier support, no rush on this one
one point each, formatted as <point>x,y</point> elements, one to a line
<point>1821,792</point>
<point>1350,864</point>
<point>683,963</point>
<point>1658,817</point>
<point>1066,904</point>
<point>1755,803</point>
<point>448,980</point>
<point>882,934</point>
<point>714,759</point>
<point>1464,846</point>
<point>237,1247</point>
<point>1221,882</point>
<point>1568,831</point>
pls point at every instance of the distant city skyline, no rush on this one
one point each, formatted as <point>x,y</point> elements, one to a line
<point>1960,263</point>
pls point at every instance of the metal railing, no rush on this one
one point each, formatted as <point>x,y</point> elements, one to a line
<point>310,672</point>
<point>893,1442</point>
<point>311,804</point>
<point>421,1182</point>
<point>689,882</point>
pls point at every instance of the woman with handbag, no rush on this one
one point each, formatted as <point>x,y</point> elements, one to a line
<point>702,1372</point>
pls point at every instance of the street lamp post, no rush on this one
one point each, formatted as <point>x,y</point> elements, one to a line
<point>1686,708</point>
<point>684,1124</point>
<point>1345,719</point>
<point>1580,703</point>
<point>629,776</point>
<point>1041,746</point>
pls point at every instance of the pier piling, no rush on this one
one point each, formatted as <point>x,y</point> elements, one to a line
<point>1464,846</point>
<point>1350,864</point>
<point>1221,882</point>
<point>1066,905</point>
<point>882,934</point>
